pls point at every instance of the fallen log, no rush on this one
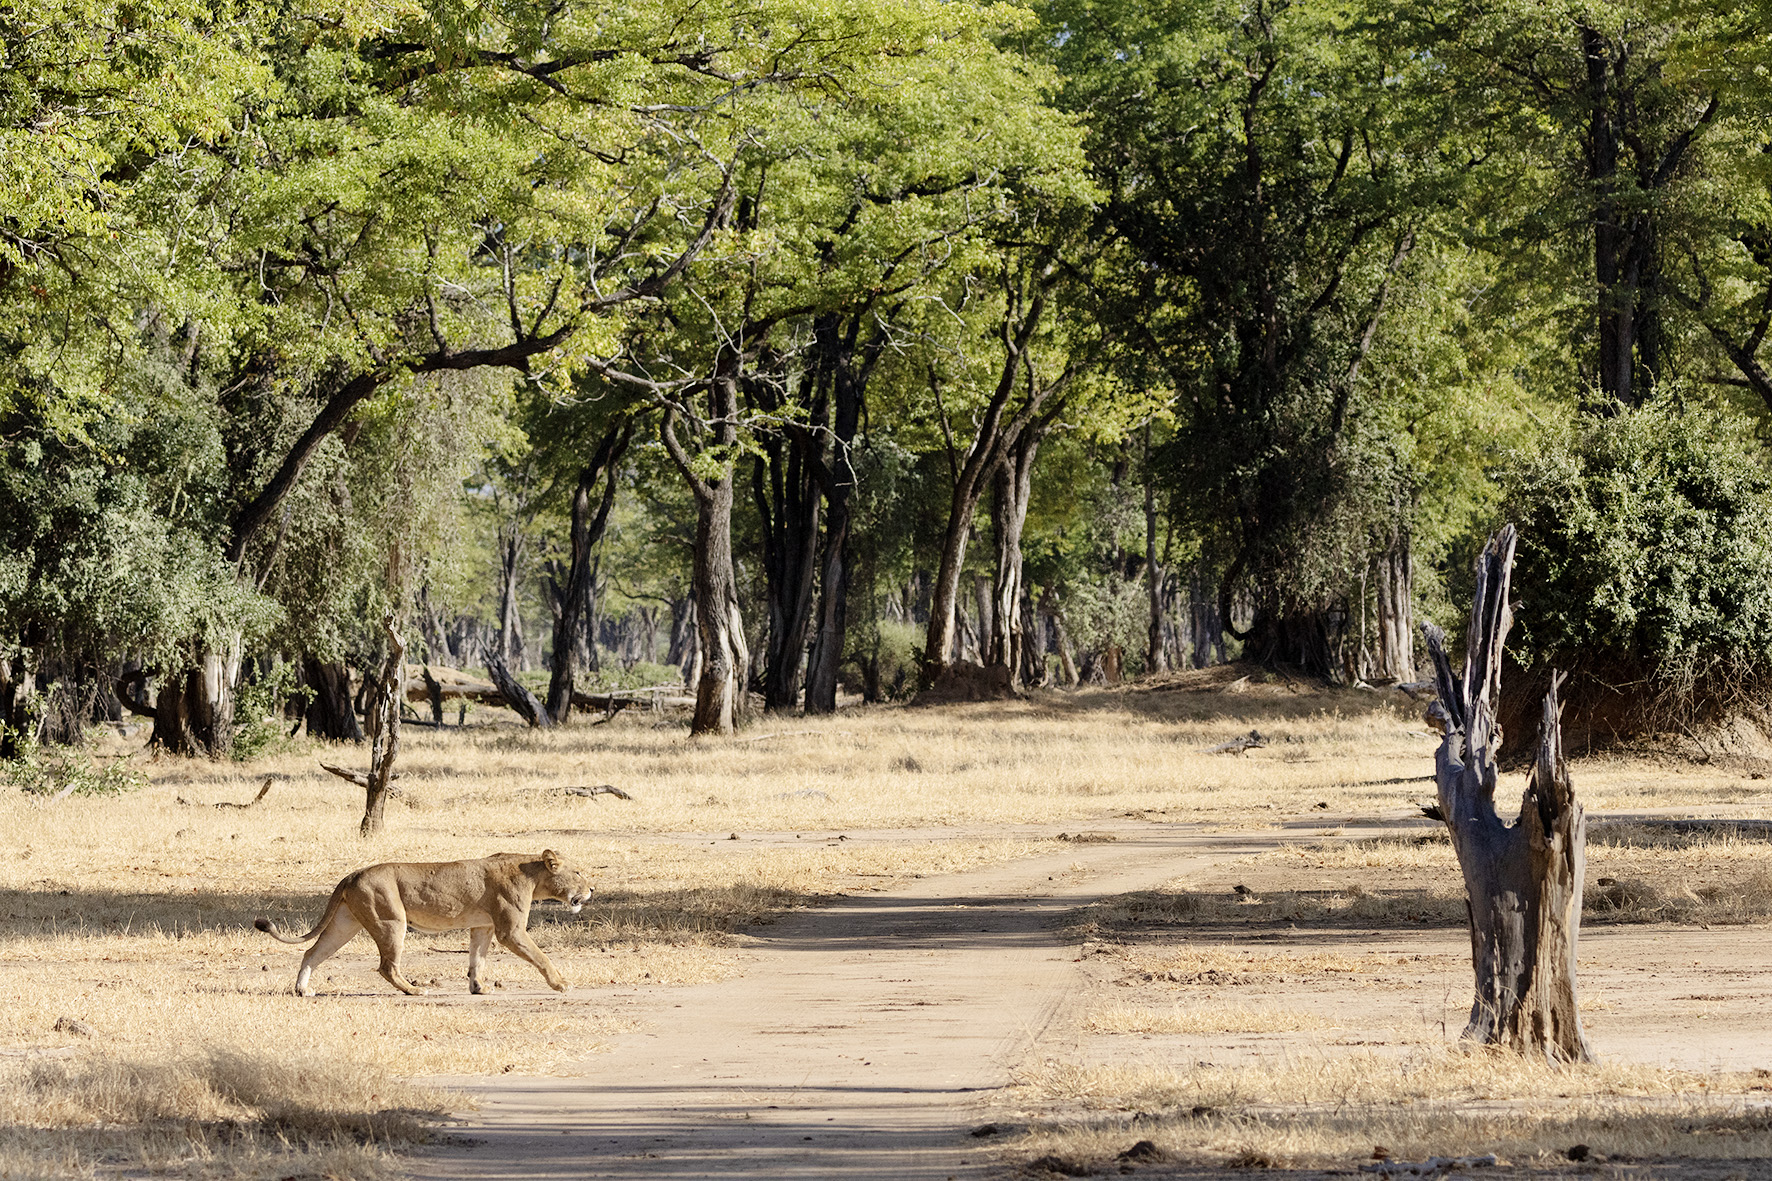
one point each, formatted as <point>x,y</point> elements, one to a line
<point>516,695</point>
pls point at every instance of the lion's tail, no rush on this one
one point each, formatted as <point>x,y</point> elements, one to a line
<point>268,927</point>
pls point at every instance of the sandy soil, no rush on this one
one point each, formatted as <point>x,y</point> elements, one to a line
<point>867,1040</point>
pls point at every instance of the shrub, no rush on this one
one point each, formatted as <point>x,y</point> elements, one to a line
<point>1646,550</point>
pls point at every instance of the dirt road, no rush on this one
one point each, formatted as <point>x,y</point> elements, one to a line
<point>856,1044</point>
<point>862,1039</point>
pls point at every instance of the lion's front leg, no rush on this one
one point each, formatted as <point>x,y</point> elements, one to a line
<point>479,944</point>
<point>512,934</point>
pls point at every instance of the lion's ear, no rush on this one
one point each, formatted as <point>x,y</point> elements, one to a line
<point>552,860</point>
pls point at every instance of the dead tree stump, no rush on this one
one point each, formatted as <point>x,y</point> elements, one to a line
<point>389,692</point>
<point>1522,881</point>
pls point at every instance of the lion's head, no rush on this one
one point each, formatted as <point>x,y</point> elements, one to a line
<point>563,881</point>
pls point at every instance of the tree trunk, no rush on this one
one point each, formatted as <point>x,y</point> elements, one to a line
<point>1156,654</point>
<point>519,698</point>
<point>1067,666</point>
<point>1033,643</point>
<point>849,381</point>
<point>510,576</point>
<point>831,636</point>
<point>997,431</point>
<point>16,684</point>
<point>786,492</point>
<point>390,691</point>
<point>194,713</point>
<point>681,647</point>
<point>1012,488</point>
<point>724,656</point>
<point>572,627</point>
<point>1395,577</point>
<point>1522,882</point>
<point>329,710</point>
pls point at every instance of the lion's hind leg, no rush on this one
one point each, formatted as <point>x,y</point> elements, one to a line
<point>390,940</point>
<point>479,943</point>
<point>341,930</point>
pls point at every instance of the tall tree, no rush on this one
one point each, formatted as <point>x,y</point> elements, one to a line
<point>1270,167</point>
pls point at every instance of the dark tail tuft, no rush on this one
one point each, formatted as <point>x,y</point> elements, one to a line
<point>263,925</point>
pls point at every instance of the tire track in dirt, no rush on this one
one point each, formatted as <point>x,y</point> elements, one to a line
<point>856,1045</point>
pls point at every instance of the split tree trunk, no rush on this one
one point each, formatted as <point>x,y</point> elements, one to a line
<point>194,710</point>
<point>1012,488</point>
<point>1522,882</point>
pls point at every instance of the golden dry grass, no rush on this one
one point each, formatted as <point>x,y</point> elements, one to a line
<point>1214,1018</point>
<point>1330,1112</point>
<point>1635,873</point>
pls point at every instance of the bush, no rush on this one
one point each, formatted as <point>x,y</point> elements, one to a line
<point>258,713</point>
<point>70,771</point>
<point>1646,550</point>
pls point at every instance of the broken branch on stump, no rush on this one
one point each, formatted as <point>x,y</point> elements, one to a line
<point>602,789</point>
<point>360,778</point>
<point>1522,881</point>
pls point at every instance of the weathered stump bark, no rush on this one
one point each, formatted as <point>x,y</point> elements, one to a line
<point>1522,881</point>
<point>516,696</point>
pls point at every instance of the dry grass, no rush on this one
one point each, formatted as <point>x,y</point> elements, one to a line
<point>1330,1112</point>
<point>134,914</point>
<point>1635,873</point>
<point>1212,1019</point>
<point>216,1112</point>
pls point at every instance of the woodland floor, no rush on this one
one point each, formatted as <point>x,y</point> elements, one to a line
<point>841,948</point>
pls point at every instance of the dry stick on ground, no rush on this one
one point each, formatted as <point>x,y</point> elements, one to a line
<point>602,789</point>
<point>255,799</point>
<point>516,696</point>
<point>1523,882</point>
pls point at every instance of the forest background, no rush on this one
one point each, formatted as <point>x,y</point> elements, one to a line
<point>807,347</point>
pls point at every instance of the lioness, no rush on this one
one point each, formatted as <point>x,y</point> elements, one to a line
<point>489,896</point>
